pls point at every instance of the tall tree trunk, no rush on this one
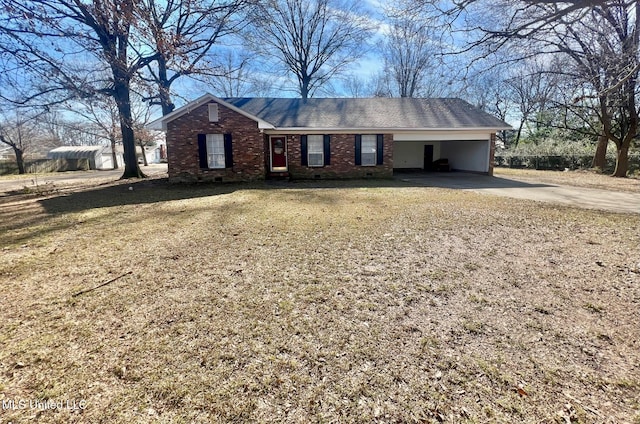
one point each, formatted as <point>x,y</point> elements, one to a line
<point>164,86</point>
<point>123,100</point>
<point>144,155</point>
<point>600,158</point>
<point>622,161</point>
<point>304,88</point>
<point>114,153</point>
<point>518,134</point>
<point>19,159</point>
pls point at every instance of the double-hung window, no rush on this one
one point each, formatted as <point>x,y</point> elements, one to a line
<point>215,151</point>
<point>368,152</point>
<point>315,150</point>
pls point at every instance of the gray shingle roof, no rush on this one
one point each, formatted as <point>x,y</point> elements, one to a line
<point>372,113</point>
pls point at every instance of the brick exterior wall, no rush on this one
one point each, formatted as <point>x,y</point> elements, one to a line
<point>248,146</point>
<point>342,161</point>
<point>251,151</point>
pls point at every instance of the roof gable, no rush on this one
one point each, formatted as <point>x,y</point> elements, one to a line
<point>161,123</point>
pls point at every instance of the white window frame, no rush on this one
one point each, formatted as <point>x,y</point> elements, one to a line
<point>369,142</point>
<point>215,151</point>
<point>315,149</point>
<point>213,112</point>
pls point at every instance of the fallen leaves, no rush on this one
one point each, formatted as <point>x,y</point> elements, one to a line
<point>276,309</point>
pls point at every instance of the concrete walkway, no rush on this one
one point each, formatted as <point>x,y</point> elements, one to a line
<point>587,198</point>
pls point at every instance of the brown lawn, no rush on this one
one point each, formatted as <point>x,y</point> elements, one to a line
<point>316,302</point>
<point>579,178</point>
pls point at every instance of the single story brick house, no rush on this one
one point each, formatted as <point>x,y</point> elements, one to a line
<point>244,139</point>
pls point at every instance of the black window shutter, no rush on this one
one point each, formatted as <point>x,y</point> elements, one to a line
<point>358,149</point>
<point>327,149</point>
<point>379,147</point>
<point>202,150</point>
<point>228,151</point>
<point>304,159</point>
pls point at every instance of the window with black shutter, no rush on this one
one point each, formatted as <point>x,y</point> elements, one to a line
<point>215,151</point>
<point>228,151</point>
<point>379,149</point>
<point>327,149</point>
<point>202,151</point>
<point>304,160</point>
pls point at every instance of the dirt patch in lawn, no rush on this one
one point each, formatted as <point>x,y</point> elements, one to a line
<point>316,302</point>
<point>579,178</point>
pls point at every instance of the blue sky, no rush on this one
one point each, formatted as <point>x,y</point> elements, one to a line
<point>366,67</point>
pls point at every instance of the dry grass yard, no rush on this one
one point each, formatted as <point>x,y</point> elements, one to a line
<point>580,178</point>
<point>316,302</point>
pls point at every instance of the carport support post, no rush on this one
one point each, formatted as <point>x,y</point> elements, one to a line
<point>492,153</point>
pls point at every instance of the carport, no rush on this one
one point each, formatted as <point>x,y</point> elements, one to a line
<point>468,151</point>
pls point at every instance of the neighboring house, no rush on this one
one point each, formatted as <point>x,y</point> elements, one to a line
<point>107,157</point>
<point>155,154</point>
<point>242,139</point>
<point>6,153</point>
<point>152,153</point>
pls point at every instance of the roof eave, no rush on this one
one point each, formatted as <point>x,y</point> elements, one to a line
<point>385,129</point>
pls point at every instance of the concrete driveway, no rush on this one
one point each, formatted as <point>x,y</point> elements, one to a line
<point>587,198</point>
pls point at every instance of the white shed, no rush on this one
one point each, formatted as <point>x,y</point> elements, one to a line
<point>93,154</point>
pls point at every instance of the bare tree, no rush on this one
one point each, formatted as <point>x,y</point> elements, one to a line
<point>264,83</point>
<point>531,90</point>
<point>99,120</point>
<point>597,39</point>
<point>144,137</point>
<point>409,52</point>
<point>356,86</point>
<point>604,46</point>
<point>381,85</point>
<point>183,34</point>
<point>19,130</point>
<point>70,44</point>
<point>314,40</point>
<point>235,79</point>
<point>79,133</point>
<point>101,115</point>
<point>572,109</point>
<point>521,20</point>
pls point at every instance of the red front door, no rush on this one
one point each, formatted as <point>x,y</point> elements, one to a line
<point>278,147</point>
